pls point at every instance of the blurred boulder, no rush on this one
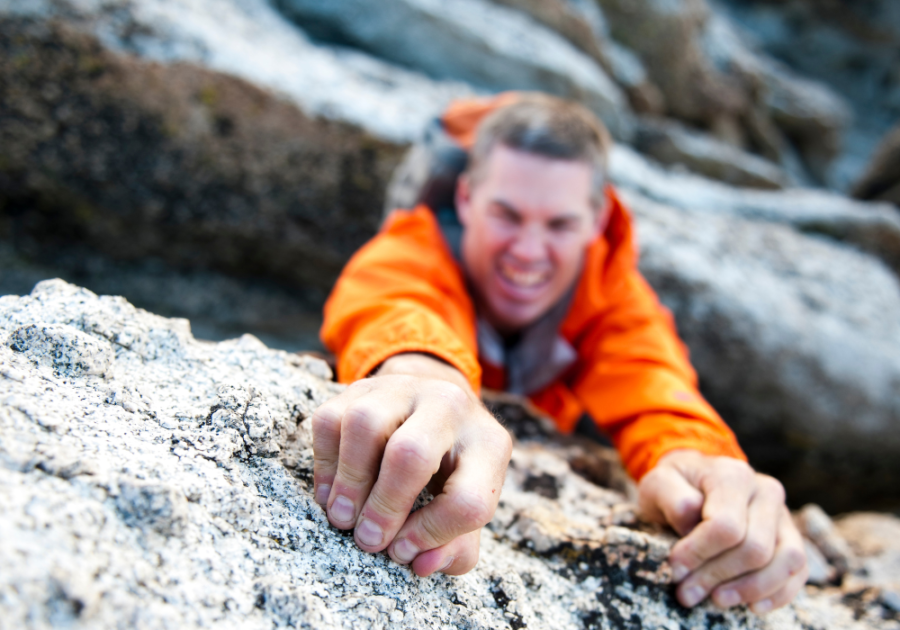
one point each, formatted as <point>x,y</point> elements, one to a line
<point>881,179</point>
<point>666,36</point>
<point>796,340</point>
<point>583,24</point>
<point>476,41</point>
<point>672,143</point>
<point>200,169</point>
<point>809,114</point>
<point>853,47</point>
<point>252,40</point>
<point>871,227</point>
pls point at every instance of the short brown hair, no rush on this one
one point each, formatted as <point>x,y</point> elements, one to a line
<point>546,126</point>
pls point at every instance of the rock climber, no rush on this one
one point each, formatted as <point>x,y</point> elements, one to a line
<point>529,284</point>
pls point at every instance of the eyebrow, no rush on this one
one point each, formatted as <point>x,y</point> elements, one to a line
<point>511,208</point>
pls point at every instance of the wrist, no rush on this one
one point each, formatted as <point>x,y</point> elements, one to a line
<point>424,366</point>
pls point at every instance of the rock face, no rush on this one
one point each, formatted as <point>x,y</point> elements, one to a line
<point>671,143</point>
<point>854,47</point>
<point>252,40</point>
<point>152,480</point>
<point>874,228</point>
<point>882,177</point>
<point>200,169</point>
<point>471,40</point>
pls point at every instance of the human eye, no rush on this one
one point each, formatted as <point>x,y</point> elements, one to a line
<point>506,215</point>
<point>563,225</point>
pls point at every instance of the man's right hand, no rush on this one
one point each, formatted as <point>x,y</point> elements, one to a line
<point>416,423</point>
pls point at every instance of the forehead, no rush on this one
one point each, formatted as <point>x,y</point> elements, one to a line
<point>532,183</point>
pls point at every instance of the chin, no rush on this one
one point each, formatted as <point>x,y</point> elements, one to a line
<point>516,318</point>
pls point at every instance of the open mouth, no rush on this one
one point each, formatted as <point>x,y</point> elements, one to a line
<point>525,280</point>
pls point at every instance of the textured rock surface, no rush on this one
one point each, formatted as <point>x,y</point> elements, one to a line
<point>881,180</point>
<point>471,40</point>
<point>797,343</point>
<point>200,169</point>
<point>671,143</point>
<point>874,228</point>
<point>854,47</point>
<point>169,486</point>
<point>252,40</point>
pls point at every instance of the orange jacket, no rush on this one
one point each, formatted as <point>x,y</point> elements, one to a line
<point>405,292</point>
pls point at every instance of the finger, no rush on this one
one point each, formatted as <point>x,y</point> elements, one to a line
<point>728,487</point>
<point>457,557</point>
<point>755,552</point>
<point>411,457</point>
<point>783,596</point>
<point>766,583</point>
<point>367,424</point>
<point>468,501</point>
<point>665,496</point>
<point>326,430</point>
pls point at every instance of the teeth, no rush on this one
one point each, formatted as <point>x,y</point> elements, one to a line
<point>524,278</point>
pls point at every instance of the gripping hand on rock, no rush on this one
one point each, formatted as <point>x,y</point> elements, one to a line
<point>416,423</point>
<point>739,543</point>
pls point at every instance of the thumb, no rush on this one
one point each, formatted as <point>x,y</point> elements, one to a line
<point>665,496</point>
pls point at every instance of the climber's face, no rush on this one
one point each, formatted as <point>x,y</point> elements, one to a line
<point>527,223</point>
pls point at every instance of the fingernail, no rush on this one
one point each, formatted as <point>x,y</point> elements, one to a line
<point>322,493</point>
<point>405,551</point>
<point>369,533</point>
<point>761,608</point>
<point>693,596</point>
<point>679,572</point>
<point>342,509</point>
<point>447,564</point>
<point>728,598</point>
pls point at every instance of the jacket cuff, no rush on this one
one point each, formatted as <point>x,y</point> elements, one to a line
<point>364,363</point>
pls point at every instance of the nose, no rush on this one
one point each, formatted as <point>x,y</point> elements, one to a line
<point>529,244</point>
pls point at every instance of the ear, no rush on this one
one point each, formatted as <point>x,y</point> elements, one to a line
<point>463,198</point>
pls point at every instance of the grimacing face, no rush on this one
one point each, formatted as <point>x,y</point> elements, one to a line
<point>526,226</point>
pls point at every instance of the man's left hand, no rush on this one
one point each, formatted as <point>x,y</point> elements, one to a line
<point>739,542</point>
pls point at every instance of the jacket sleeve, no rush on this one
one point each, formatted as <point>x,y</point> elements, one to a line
<point>634,377</point>
<point>402,292</point>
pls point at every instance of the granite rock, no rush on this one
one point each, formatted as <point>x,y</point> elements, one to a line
<point>168,514</point>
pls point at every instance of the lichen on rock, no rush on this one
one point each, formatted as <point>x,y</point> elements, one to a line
<point>168,484</point>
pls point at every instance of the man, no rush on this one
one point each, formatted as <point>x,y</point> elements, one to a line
<point>540,295</point>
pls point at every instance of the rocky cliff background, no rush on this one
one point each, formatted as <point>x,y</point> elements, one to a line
<point>220,161</point>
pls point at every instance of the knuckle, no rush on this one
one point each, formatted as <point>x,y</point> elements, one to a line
<point>324,419</point>
<point>430,531</point>
<point>727,530</point>
<point>473,510</point>
<point>353,476</point>
<point>795,559</point>
<point>756,553</point>
<point>772,487</point>
<point>464,565</point>
<point>361,420</point>
<point>408,456</point>
<point>382,504</point>
<point>751,589</point>
<point>453,396</point>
